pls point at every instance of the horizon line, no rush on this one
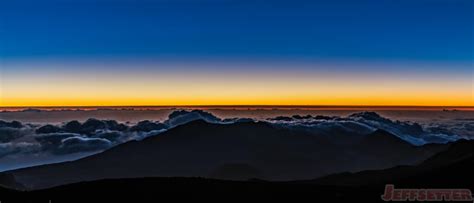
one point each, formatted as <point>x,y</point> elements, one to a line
<point>244,105</point>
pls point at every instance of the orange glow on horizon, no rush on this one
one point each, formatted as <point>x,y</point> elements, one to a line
<point>211,87</point>
<point>240,96</point>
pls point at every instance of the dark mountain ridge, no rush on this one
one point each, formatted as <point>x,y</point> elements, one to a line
<point>435,172</point>
<point>237,151</point>
<point>450,168</point>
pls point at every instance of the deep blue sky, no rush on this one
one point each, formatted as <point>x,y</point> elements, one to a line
<point>396,30</point>
<point>188,52</point>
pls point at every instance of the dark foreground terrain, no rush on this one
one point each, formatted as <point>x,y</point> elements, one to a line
<point>238,151</point>
<point>153,189</point>
<point>452,168</point>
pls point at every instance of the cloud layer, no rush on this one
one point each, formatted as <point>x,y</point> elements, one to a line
<point>364,123</point>
<point>96,135</point>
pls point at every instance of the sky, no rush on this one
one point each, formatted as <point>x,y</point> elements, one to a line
<point>226,52</point>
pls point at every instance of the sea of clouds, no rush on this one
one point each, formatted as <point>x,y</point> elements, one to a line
<point>93,135</point>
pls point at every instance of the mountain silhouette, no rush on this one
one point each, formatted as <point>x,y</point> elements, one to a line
<point>450,168</point>
<point>238,151</point>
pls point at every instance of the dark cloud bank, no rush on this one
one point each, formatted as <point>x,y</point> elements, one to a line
<point>96,135</point>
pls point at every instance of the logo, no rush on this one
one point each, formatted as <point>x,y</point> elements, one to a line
<point>393,194</point>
